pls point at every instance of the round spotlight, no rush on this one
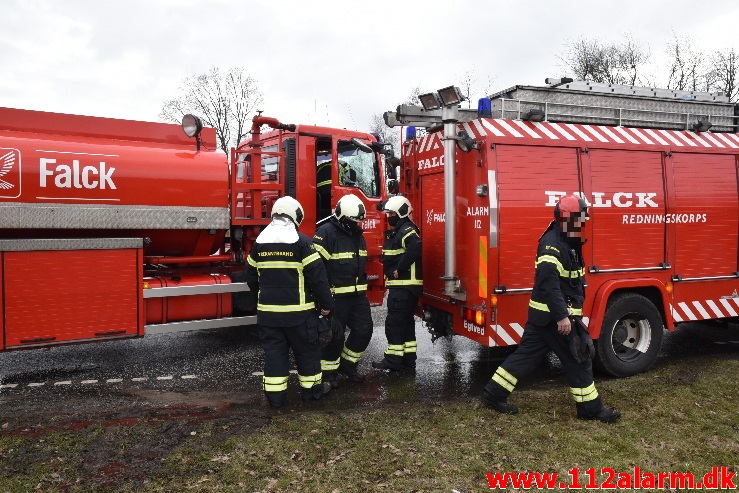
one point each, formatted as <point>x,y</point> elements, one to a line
<point>465,142</point>
<point>191,125</point>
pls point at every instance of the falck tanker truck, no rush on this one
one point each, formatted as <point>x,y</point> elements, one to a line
<point>115,229</point>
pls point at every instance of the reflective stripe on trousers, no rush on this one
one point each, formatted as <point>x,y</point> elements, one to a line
<point>327,365</point>
<point>504,379</point>
<point>310,380</point>
<point>350,355</point>
<point>274,384</point>
<point>585,394</point>
<point>395,349</point>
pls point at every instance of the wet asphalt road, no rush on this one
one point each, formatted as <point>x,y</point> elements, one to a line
<point>222,367</point>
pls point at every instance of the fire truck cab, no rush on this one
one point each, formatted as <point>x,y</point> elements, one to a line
<point>662,191</point>
<point>317,166</point>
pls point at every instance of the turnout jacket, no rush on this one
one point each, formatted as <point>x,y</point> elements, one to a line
<point>285,271</point>
<point>344,254</point>
<point>559,283</point>
<point>401,251</point>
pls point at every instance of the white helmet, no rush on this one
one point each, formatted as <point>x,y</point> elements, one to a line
<point>399,205</point>
<point>350,207</point>
<point>289,207</point>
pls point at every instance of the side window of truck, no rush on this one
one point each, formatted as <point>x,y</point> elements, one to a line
<point>358,168</point>
<point>270,164</point>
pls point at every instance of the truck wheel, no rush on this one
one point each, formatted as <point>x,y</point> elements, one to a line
<point>630,337</point>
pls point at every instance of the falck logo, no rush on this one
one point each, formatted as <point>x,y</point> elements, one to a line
<point>10,173</point>
<point>434,217</point>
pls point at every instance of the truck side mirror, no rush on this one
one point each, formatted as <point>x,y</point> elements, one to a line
<point>391,163</point>
<point>361,145</point>
<point>392,187</point>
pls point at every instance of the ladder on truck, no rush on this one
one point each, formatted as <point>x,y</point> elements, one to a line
<point>567,101</point>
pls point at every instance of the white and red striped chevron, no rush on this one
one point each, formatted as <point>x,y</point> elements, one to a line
<point>705,309</point>
<point>508,334</point>
<point>483,127</point>
<point>511,334</point>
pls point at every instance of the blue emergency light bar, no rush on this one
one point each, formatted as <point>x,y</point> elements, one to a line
<point>484,108</point>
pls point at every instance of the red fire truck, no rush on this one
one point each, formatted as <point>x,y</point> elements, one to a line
<point>115,229</point>
<point>662,190</point>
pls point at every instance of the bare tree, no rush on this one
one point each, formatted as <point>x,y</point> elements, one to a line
<point>413,96</point>
<point>687,72</point>
<point>466,82</point>
<point>723,74</point>
<point>392,135</point>
<point>389,135</point>
<point>611,63</point>
<point>224,101</point>
<point>632,59</point>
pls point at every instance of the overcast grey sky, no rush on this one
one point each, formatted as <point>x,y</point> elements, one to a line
<point>316,61</point>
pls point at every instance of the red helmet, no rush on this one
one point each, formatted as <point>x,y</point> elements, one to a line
<point>571,204</point>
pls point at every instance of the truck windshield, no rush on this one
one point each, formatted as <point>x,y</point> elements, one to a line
<point>358,168</point>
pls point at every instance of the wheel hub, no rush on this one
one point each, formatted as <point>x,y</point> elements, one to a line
<point>631,338</point>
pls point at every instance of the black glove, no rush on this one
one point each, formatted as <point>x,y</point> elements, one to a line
<point>581,345</point>
<point>325,334</point>
<point>337,329</point>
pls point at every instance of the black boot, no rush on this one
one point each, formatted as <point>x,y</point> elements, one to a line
<point>501,406</point>
<point>316,392</point>
<point>605,415</point>
<point>334,378</point>
<point>383,365</point>
<point>349,371</point>
<point>276,399</point>
<point>494,400</point>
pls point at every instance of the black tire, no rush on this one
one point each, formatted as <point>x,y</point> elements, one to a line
<point>630,337</point>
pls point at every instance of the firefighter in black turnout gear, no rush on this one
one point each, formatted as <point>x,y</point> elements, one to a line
<point>289,279</point>
<point>555,310</point>
<point>401,260</point>
<point>340,241</point>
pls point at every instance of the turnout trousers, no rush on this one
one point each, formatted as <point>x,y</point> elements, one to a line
<point>353,312</point>
<point>277,342</point>
<point>535,344</point>
<point>400,329</point>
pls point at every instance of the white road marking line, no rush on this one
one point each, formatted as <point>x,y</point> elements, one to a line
<point>109,380</point>
<point>261,373</point>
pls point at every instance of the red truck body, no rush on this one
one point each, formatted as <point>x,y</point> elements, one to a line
<point>662,238</point>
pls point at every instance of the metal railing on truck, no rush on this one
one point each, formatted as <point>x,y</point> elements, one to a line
<point>610,104</point>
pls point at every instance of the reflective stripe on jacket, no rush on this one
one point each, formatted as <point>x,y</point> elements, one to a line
<point>289,279</point>
<point>401,251</point>
<point>559,279</point>
<point>344,254</point>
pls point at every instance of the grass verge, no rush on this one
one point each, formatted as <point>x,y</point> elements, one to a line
<point>681,416</point>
